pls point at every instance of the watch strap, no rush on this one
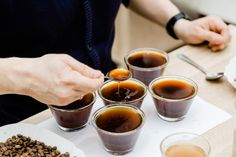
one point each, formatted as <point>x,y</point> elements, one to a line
<point>172,21</point>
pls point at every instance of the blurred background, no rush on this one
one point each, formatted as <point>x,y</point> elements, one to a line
<point>133,31</point>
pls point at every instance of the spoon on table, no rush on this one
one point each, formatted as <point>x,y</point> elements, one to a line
<point>209,76</point>
<point>118,74</point>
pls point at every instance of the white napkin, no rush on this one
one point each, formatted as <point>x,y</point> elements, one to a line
<point>201,117</point>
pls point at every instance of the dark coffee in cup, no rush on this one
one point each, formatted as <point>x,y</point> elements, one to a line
<point>172,96</point>
<point>74,115</point>
<point>173,89</point>
<point>122,91</point>
<point>119,120</point>
<point>88,98</point>
<point>129,92</point>
<point>118,127</point>
<point>145,59</point>
<point>146,64</point>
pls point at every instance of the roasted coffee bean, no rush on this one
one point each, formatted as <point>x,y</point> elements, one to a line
<point>22,146</point>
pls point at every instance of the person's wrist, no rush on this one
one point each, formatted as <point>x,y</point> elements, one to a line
<point>180,28</point>
<point>172,23</point>
<point>19,75</point>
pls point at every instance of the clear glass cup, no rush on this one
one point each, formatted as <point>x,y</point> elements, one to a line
<point>148,67</point>
<point>131,85</point>
<point>185,145</point>
<point>75,115</point>
<point>118,127</point>
<point>173,108</point>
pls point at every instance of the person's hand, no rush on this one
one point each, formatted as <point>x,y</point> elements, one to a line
<point>56,79</point>
<point>209,28</point>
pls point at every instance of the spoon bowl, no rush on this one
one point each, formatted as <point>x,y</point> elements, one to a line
<point>214,76</point>
<point>118,74</point>
<point>209,75</point>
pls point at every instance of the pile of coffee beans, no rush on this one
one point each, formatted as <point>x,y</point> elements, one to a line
<point>22,146</point>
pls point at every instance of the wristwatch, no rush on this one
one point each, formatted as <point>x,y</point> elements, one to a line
<point>172,21</point>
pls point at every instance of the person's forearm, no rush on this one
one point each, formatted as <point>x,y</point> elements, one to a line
<point>158,11</point>
<point>9,69</point>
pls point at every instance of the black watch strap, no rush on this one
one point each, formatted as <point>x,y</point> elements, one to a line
<point>172,21</point>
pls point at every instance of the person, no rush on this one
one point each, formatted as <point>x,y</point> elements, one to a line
<point>54,52</point>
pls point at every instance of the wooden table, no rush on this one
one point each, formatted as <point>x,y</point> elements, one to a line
<point>219,93</point>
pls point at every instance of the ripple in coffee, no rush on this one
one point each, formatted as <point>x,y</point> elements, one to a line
<point>172,96</point>
<point>122,91</point>
<point>146,64</point>
<point>130,92</point>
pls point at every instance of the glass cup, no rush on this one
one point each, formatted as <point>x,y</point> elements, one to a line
<point>75,115</point>
<point>130,92</point>
<point>185,145</point>
<point>173,96</point>
<point>118,127</point>
<point>146,64</point>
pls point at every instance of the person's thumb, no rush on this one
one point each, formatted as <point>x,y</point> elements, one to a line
<point>212,37</point>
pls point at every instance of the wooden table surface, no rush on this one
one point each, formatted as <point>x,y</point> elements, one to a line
<point>219,93</point>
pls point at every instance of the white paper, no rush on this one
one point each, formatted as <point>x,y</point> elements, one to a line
<point>201,117</point>
<point>43,135</point>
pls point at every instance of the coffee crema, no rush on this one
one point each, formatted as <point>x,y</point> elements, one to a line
<point>185,150</point>
<point>119,120</point>
<point>173,89</point>
<point>122,91</point>
<point>147,59</point>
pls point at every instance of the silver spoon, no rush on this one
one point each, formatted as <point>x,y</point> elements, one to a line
<point>209,76</point>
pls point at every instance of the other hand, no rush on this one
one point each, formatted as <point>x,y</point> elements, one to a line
<point>209,28</point>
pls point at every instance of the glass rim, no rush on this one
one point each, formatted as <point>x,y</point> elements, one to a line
<point>173,77</point>
<point>101,109</point>
<point>118,102</point>
<point>151,50</point>
<point>77,109</point>
<point>186,133</point>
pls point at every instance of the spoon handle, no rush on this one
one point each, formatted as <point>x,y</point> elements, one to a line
<point>190,61</point>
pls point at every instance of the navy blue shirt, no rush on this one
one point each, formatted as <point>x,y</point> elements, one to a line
<point>83,29</point>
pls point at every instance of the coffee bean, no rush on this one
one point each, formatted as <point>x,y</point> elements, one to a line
<point>22,146</point>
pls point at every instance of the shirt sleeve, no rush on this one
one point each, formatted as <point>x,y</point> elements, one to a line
<point>125,2</point>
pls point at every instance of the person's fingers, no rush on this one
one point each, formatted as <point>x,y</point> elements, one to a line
<point>82,68</point>
<point>85,84</point>
<point>212,37</point>
<point>218,47</point>
<point>217,25</point>
<point>226,34</point>
<point>69,97</point>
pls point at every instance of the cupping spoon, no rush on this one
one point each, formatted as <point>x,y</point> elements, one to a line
<point>118,74</point>
<point>209,76</point>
